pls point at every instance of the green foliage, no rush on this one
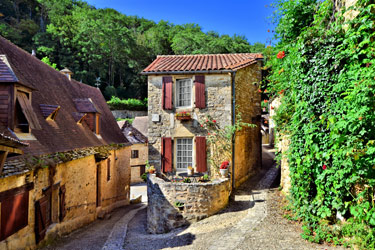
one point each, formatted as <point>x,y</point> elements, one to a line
<point>187,180</point>
<point>129,104</point>
<point>105,44</point>
<point>130,120</point>
<point>144,177</point>
<point>47,61</point>
<point>326,83</point>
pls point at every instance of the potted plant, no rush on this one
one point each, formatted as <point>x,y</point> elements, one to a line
<point>190,170</point>
<point>204,178</point>
<point>183,116</point>
<point>224,169</point>
<point>179,205</point>
<point>151,170</point>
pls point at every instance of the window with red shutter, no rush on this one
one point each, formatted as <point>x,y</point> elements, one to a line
<point>200,152</point>
<point>200,97</point>
<point>167,93</point>
<point>166,154</point>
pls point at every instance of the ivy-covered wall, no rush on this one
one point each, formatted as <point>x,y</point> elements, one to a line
<point>323,68</point>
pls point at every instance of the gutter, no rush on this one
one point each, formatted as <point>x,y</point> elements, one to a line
<point>233,122</point>
<point>188,72</point>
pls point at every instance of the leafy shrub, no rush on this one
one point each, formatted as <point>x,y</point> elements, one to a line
<point>129,104</point>
<point>326,81</point>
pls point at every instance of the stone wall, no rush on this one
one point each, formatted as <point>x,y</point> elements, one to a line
<point>248,152</point>
<point>128,113</point>
<point>80,179</point>
<point>218,106</point>
<point>283,146</point>
<point>200,201</point>
<point>137,164</point>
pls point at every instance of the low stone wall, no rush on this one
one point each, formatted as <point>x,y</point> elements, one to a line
<point>128,113</point>
<point>283,146</point>
<point>200,201</point>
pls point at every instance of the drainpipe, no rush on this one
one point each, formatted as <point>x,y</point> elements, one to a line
<point>233,122</point>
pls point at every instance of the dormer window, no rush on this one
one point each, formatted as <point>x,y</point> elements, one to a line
<point>92,117</point>
<point>49,112</point>
<point>24,116</point>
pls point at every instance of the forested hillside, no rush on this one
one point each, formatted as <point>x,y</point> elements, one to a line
<point>105,46</point>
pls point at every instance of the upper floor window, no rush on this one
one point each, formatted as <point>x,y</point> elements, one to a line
<point>184,92</point>
<point>135,154</point>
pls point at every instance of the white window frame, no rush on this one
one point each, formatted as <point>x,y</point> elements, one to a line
<point>176,153</point>
<point>177,99</point>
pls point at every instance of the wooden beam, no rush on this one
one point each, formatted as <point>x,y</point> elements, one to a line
<point>11,149</point>
<point>3,157</point>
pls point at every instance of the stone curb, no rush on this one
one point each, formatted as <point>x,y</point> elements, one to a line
<point>256,213</point>
<point>117,236</point>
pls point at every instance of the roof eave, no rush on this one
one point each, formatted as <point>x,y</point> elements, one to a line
<point>224,71</point>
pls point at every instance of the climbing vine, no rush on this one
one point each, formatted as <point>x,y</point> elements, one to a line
<point>324,73</point>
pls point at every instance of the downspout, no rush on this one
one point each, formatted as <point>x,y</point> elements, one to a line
<point>233,122</point>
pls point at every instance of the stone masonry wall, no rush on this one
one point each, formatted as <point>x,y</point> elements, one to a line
<point>283,146</point>
<point>128,113</point>
<point>218,106</point>
<point>248,153</point>
<point>200,201</point>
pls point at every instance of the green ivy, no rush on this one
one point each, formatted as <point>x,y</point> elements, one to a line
<point>326,82</point>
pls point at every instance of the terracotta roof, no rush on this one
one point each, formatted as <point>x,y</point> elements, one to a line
<point>62,134</point>
<point>6,71</point>
<point>132,134</point>
<point>141,124</point>
<point>208,62</point>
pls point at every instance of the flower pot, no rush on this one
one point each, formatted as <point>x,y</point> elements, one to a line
<point>224,172</point>
<point>190,171</point>
<point>183,118</point>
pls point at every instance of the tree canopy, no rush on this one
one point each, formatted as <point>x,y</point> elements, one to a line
<point>103,45</point>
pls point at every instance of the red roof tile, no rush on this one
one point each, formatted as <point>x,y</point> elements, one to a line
<point>209,62</point>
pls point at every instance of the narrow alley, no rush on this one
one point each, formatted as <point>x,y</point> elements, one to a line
<point>253,220</point>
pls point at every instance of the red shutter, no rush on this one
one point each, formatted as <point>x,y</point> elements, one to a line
<point>200,147</point>
<point>14,214</point>
<point>200,98</point>
<point>167,92</point>
<point>166,154</point>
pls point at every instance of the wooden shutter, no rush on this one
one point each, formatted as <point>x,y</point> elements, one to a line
<point>166,154</point>
<point>28,110</point>
<point>62,202</point>
<point>42,216</point>
<point>167,93</point>
<point>200,97</point>
<point>14,214</point>
<point>201,156</point>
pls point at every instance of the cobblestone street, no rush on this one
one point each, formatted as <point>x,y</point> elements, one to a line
<point>253,220</point>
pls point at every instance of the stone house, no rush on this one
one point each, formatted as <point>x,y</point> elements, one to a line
<point>203,85</point>
<point>73,168</point>
<point>139,151</point>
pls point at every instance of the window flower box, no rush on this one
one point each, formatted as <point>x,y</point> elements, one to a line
<point>183,116</point>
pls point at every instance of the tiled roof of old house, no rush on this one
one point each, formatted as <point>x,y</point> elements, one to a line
<point>55,89</point>
<point>141,124</point>
<point>194,63</point>
<point>132,134</point>
<point>11,141</point>
<point>6,72</point>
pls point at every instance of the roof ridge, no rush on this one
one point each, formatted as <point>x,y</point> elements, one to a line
<point>247,53</point>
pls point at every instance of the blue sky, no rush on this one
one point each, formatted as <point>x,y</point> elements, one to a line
<point>241,17</point>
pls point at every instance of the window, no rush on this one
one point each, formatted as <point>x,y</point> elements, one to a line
<point>135,154</point>
<point>183,89</point>
<point>184,153</point>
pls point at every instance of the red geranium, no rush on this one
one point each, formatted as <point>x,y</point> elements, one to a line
<point>224,165</point>
<point>214,121</point>
<point>324,167</point>
<point>281,55</point>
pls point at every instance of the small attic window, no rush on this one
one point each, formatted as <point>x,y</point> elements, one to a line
<point>49,112</point>
<point>25,117</point>
<point>79,117</point>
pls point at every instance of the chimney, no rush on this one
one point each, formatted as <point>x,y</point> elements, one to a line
<point>67,73</point>
<point>33,53</point>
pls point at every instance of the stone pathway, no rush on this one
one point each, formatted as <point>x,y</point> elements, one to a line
<point>253,220</point>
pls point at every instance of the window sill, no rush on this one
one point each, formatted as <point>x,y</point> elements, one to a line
<point>26,136</point>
